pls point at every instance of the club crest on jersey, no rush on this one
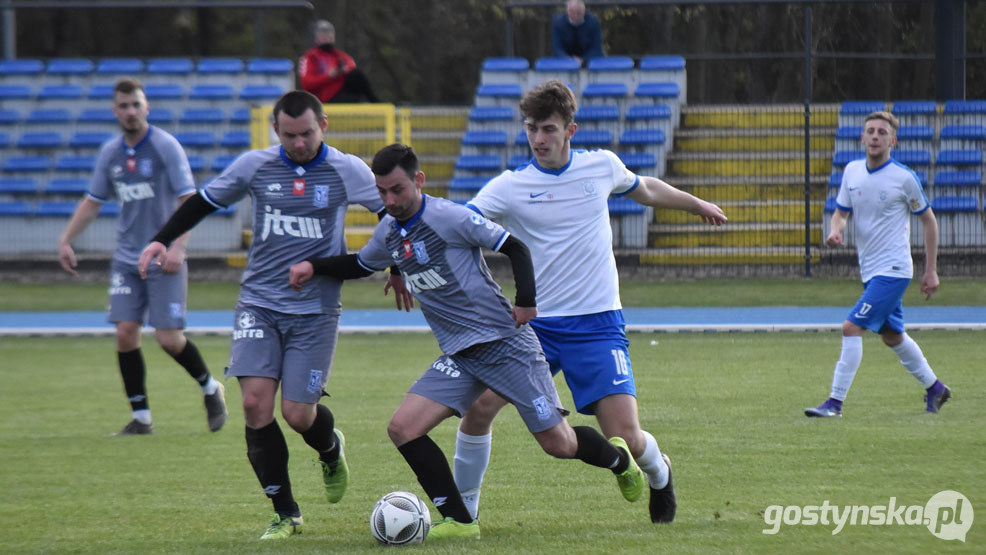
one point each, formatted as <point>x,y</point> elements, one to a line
<point>589,188</point>
<point>915,204</point>
<point>477,219</point>
<point>299,188</point>
<point>542,408</point>
<point>315,381</point>
<point>883,195</point>
<point>407,249</point>
<point>246,320</point>
<point>420,253</point>
<point>321,196</point>
<point>131,164</point>
<point>146,167</point>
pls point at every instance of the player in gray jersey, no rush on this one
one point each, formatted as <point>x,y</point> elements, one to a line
<point>437,245</point>
<point>281,336</point>
<point>146,171</point>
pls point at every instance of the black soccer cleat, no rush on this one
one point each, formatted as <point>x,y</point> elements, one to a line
<point>135,428</point>
<point>663,504</point>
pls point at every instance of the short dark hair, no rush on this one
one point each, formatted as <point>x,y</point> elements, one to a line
<point>550,97</point>
<point>128,85</point>
<point>392,156</point>
<point>295,103</point>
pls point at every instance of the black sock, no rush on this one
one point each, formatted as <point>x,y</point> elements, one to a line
<point>268,454</point>
<point>191,360</point>
<point>594,449</point>
<point>320,436</point>
<point>132,370</point>
<point>431,467</point>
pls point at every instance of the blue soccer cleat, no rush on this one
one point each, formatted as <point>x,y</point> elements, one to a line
<point>830,408</point>
<point>936,396</point>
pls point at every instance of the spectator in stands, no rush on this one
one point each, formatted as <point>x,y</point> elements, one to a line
<point>576,34</point>
<point>331,74</point>
<point>147,171</point>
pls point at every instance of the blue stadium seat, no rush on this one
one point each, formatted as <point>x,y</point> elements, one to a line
<point>196,163</point>
<point>16,208</point>
<point>853,112</point>
<point>958,182</point>
<point>593,139</point>
<point>40,140</point>
<point>196,139</point>
<point>848,138</point>
<point>485,138</point>
<point>70,67</point>
<point>212,117</point>
<point>269,66</point>
<point>101,92</point>
<point>611,69</point>
<point>912,157</point>
<point>482,163</point>
<point>961,137</point>
<point>664,68</point>
<point>27,164</point>
<point>504,70</point>
<point>221,162</point>
<point>75,164</point>
<point>240,116</point>
<point>959,223</point>
<point>666,93</point>
<point>261,93</point>
<point>211,93</point>
<point>161,117</point>
<point>5,140</point>
<point>9,117</point>
<point>67,186</point>
<point>164,91</point>
<point>96,117</point>
<point>89,139</point>
<point>172,67</point>
<point>639,162</point>
<point>915,133</point>
<point>958,112</point>
<point>21,68</point>
<point>493,118</point>
<point>835,180</point>
<point>235,139</point>
<point>55,209</point>
<point>499,94</point>
<point>59,117</point>
<point>959,158</point>
<point>518,160</point>
<point>915,112</point>
<point>119,66</point>
<point>605,116</point>
<point>463,189</point>
<point>650,116</point>
<point>605,92</point>
<point>646,141</point>
<point>220,66</point>
<point>843,157</point>
<point>623,205</point>
<point>17,96</point>
<point>18,185</point>
<point>565,70</point>
<point>60,93</point>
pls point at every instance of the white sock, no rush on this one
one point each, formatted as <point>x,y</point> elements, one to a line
<point>845,369</point>
<point>652,463</point>
<point>210,386</point>
<point>912,358</point>
<point>143,416</point>
<point>472,457</point>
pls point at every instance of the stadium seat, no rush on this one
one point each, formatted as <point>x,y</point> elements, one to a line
<point>843,157</point>
<point>463,189</point>
<point>520,145</point>
<point>494,118</point>
<point>100,93</point>
<point>20,69</point>
<point>605,116</point>
<point>478,165</point>
<point>16,96</point>
<point>271,71</point>
<point>959,158</point>
<point>260,94</point>
<point>484,142</point>
<point>196,162</point>
<point>959,221</point>
<point>958,183</point>
<point>220,71</point>
<point>197,118</point>
<point>853,112</point>
<point>590,139</point>
<point>16,208</point>
<point>566,70</point>
<point>240,116</point>
<point>518,160</point>
<point>964,112</point>
<point>161,117</point>
<point>95,119</point>
<point>912,158</point>
<point>647,141</point>
<point>962,137</point>
<point>41,140</point>
<point>663,69</point>
<point>27,164</point>
<point>119,66</point>
<point>235,139</point>
<point>614,94</point>
<point>165,95</point>
<point>221,162</point>
<point>504,70</point>
<point>651,116</point>
<point>68,70</point>
<point>848,138</point>
<point>88,139</point>
<point>915,137</point>
<point>160,70</point>
<point>18,185</point>
<point>48,118</point>
<point>629,221</point>
<point>67,95</point>
<point>75,164</point>
<point>9,118</point>
<point>55,209</point>
<point>211,94</point>
<point>73,186</point>
<point>5,140</point>
<point>666,93</point>
<point>611,69</point>
<point>196,139</point>
<point>500,94</point>
<point>639,162</point>
<point>915,112</point>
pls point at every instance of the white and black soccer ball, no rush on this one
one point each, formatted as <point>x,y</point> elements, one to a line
<point>400,518</point>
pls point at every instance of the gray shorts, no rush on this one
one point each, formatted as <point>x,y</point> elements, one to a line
<point>296,349</point>
<point>161,297</point>
<point>513,367</point>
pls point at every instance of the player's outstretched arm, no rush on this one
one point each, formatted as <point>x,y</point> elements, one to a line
<point>343,266</point>
<point>84,214</point>
<point>651,191</point>
<point>525,305</point>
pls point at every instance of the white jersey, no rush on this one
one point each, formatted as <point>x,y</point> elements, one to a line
<point>563,217</point>
<point>881,202</point>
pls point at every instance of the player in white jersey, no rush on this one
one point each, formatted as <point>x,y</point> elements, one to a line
<point>557,205</point>
<point>485,341</point>
<point>881,194</point>
<point>282,338</point>
<point>147,172</point>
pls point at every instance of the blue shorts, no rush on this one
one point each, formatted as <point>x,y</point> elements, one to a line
<point>879,308</point>
<point>591,351</point>
<point>160,298</point>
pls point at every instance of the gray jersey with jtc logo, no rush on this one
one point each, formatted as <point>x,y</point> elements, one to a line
<point>439,253</point>
<point>298,213</point>
<point>146,180</point>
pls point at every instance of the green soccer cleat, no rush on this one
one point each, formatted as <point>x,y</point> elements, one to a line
<point>632,480</point>
<point>450,528</point>
<point>335,475</point>
<point>283,526</point>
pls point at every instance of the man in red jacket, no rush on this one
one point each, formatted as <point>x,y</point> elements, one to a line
<point>331,74</point>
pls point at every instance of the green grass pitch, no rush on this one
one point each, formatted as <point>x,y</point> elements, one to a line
<point>727,408</point>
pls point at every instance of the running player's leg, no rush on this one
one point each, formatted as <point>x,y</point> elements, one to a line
<point>127,304</point>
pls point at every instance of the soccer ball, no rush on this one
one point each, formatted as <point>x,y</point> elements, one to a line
<point>400,518</point>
